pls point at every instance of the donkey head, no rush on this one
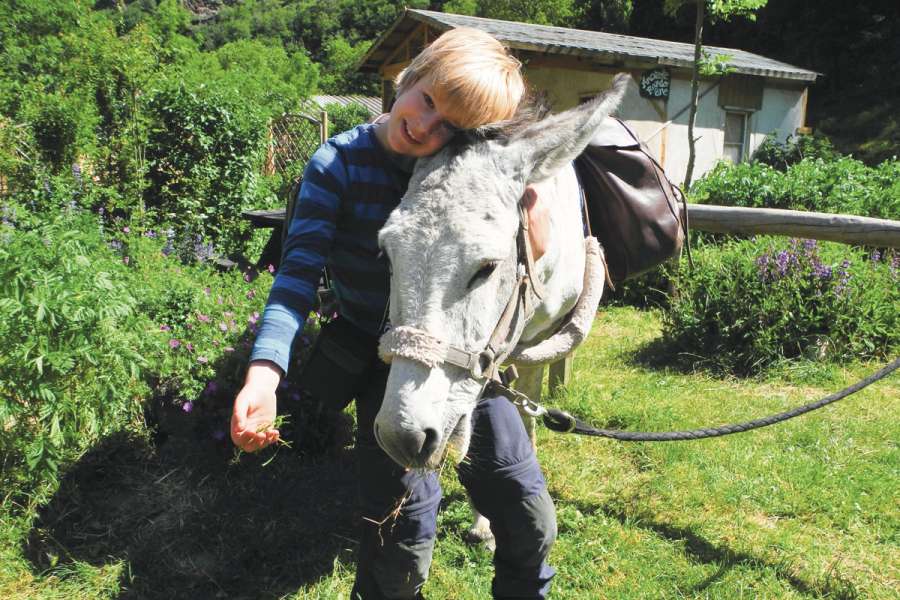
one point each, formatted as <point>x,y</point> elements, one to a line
<point>453,250</point>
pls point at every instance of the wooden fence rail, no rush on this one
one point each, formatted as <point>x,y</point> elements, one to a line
<point>849,229</point>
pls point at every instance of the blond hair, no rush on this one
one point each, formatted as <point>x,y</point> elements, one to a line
<point>475,79</point>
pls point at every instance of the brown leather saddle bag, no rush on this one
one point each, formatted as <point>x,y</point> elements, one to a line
<point>633,208</point>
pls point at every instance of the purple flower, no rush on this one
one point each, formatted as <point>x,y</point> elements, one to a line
<point>227,349</point>
<point>188,406</point>
<point>252,319</point>
<point>202,360</point>
<point>165,328</point>
<point>173,343</point>
<point>211,387</point>
<point>247,277</point>
<point>251,294</point>
<point>115,245</point>
<point>203,318</point>
<point>207,291</point>
<point>876,256</point>
<point>821,271</point>
<point>126,229</point>
<point>189,346</point>
<point>150,233</point>
<point>223,327</point>
<point>271,268</point>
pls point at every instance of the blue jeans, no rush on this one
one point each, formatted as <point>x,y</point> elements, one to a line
<point>504,481</point>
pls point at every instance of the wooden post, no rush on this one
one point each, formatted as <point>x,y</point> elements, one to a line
<point>323,127</point>
<point>560,373</point>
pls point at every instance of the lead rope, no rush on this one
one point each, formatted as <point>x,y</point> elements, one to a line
<point>561,421</point>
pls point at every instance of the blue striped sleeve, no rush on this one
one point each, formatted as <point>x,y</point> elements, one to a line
<point>309,241</point>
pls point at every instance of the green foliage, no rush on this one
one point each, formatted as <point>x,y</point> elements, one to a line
<point>267,76</point>
<point>204,155</point>
<point>722,10</point>
<point>752,303</point>
<point>843,185</point>
<point>339,61</point>
<point>54,127</point>
<point>542,12</point>
<point>71,369</point>
<point>345,117</point>
<point>795,148</point>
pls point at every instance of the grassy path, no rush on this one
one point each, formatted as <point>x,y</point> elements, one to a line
<point>804,509</point>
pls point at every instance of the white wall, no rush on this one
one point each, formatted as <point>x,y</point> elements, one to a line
<point>782,111</point>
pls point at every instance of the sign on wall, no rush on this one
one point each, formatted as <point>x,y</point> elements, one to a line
<point>655,83</point>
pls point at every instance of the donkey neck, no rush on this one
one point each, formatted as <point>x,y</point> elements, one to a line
<point>561,268</point>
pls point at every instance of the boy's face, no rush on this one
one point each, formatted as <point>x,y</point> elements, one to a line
<point>417,125</point>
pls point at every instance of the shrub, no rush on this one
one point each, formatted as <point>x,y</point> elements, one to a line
<point>781,155</point>
<point>344,117</point>
<point>69,371</point>
<point>204,155</point>
<point>843,185</point>
<point>755,302</point>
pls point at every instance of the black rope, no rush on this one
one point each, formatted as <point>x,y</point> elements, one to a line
<point>561,421</point>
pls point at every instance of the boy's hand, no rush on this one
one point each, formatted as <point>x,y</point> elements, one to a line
<point>255,409</point>
<point>538,220</point>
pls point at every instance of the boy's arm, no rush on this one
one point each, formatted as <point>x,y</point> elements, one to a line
<point>309,239</point>
<point>310,236</point>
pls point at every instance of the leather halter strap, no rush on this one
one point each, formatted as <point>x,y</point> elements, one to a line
<point>418,345</point>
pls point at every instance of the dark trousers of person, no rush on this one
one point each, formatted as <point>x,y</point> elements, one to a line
<point>399,507</point>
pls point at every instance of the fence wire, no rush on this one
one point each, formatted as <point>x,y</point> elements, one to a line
<point>293,138</point>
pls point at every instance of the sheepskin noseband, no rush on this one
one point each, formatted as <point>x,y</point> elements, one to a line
<point>412,343</point>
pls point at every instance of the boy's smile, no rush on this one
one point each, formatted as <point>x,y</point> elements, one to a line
<point>416,126</point>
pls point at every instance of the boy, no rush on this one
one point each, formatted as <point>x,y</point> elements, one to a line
<point>465,79</point>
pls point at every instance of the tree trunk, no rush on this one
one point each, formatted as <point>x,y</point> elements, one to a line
<point>695,89</point>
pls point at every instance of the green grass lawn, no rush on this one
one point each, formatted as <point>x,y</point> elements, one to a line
<point>803,509</point>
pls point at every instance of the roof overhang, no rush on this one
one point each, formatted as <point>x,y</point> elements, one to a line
<point>544,40</point>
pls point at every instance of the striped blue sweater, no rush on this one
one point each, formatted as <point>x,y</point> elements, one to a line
<point>350,186</point>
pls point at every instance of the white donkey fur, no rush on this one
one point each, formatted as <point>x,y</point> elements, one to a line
<point>460,215</point>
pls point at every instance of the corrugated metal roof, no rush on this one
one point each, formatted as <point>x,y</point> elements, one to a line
<point>372,103</point>
<point>597,44</point>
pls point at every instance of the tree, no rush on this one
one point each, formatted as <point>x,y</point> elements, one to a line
<point>718,10</point>
<point>541,12</point>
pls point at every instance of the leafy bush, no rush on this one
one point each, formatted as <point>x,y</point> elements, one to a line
<point>781,155</point>
<point>843,186</point>
<point>70,369</point>
<point>204,156</point>
<point>344,117</point>
<point>755,302</point>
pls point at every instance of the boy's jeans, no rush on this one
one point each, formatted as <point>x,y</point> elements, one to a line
<point>504,481</point>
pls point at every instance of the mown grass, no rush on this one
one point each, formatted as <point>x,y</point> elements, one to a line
<point>804,509</point>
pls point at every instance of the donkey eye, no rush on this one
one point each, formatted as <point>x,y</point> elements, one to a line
<point>483,273</point>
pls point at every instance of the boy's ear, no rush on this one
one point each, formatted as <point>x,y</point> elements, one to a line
<point>548,145</point>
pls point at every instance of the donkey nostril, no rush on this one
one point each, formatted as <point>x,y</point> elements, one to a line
<point>422,444</point>
<point>430,443</point>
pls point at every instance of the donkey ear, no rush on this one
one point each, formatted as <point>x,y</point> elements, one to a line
<point>549,144</point>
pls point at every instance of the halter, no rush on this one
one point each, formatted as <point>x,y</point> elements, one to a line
<point>419,345</point>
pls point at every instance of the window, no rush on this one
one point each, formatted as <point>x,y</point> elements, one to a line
<point>735,136</point>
